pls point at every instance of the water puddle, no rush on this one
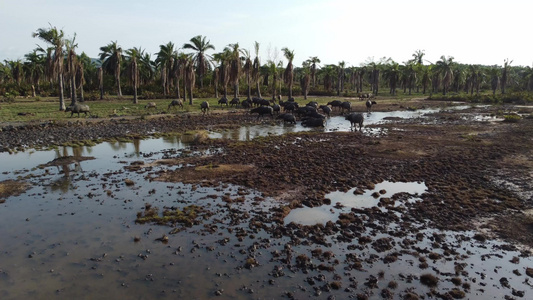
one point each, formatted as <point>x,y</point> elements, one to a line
<point>342,202</point>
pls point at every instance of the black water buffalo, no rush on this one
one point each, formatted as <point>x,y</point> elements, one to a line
<point>335,103</point>
<point>223,101</point>
<point>304,110</point>
<point>325,109</point>
<point>355,118</point>
<point>204,107</point>
<point>287,118</point>
<point>369,104</point>
<point>312,104</point>
<point>247,103</point>
<point>263,110</point>
<point>235,102</point>
<point>175,103</point>
<point>276,108</point>
<point>313,122</point>
<point>346,106</point>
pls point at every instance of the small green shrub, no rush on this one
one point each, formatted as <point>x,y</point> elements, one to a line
<point>511,118</point>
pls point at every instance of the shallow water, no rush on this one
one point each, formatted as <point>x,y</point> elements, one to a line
<point>71,236</point>
<point>343,201</point>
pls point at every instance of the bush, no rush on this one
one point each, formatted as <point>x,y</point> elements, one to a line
<point>511,118</point>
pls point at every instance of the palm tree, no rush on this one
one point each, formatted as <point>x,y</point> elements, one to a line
<point>72,66</point>
<point>392,73</point>
<point>17,72</point>
<point>247,69</point>
<point>235,67</point>
<point>494,79</point>
<point>165,62</point>
<point>190,77</point>
<point>273,71</point>
<point>223,58</point>
<point>426,77</point>
<point>418,57</point>
<point>256,69</point>
<point>202,60</point>
<point>111,57</point>
<point>444,68</point>
<point>289,72</point>
<point>374,77</point>
<point>306,78</point>
<point>329,72</point>
<point>133,70</point>
<point>34,69</point>
<point>54,37</point>
<point>340,77</point>
<point>505,74</point>
<point>313,61</point>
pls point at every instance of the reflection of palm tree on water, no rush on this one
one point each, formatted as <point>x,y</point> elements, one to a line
<point>64,183</point>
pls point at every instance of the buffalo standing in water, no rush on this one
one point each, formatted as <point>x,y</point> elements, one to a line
<point>355,119</point>
<point>263,110</point>
<point>369,104</point>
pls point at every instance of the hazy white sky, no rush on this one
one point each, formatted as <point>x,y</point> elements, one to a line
<point>472,31</point>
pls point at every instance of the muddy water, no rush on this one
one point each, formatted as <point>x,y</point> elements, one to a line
<point>343,201</point>
<point>73,236</point>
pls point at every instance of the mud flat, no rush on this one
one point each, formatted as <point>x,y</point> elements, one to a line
<point>175,217</point>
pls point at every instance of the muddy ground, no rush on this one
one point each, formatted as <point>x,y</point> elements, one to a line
<point>478,173</point>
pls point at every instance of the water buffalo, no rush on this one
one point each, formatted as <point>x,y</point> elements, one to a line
<point>346,106</point>
<point>335,103</point>
<point>354,119</point>
<point>276,108</point>
<point>313,122</point>
<point>247,103</point>
<point>223,101</point>
<point>235,102</point>
<point>175,103</point>
<point>325,109</point>
<point>287,118</point>
<point>263,110</point>
<point>312,104</point>
<point>369,104</point>
<point>204,107</point>
<point>77,109</point>
<point>150,105</point>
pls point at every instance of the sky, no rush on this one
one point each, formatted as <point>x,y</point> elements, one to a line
<point>356,32</point>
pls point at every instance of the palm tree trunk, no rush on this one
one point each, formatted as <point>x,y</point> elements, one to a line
<point>73,90</point>
<point>61,95</point>
<point>258,89</point>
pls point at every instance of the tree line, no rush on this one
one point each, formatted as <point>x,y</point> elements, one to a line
<point>171,73</point>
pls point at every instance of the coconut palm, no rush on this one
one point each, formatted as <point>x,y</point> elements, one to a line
<point>340,77</point>
<point>426,77</point>
<point>505,74</point>
<point>273,69</point>
<point>111,57</point>
<point>34,69</point>
<point>190,76</point>
<point>256,69</point>
<point>224,60</point>
<point>313,61</point>
<point>54,37</point>
<point>374,76</point>
<point>16,68</point>
<point>165,62</point>
<point>418,57</point>
<point>235,67</point>
<point>392,73</point>
<point>247,68</point>
<point>444,68</point>
<point>201,59</point>
<point>289,72</point>
<point>305,79</point>
<point>72,66</point>
<point>132,55</point>
<point>494,79</point>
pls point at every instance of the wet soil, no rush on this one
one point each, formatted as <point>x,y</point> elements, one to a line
<point>478,174</point>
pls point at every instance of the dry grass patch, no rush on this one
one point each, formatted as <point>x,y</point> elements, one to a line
<point>10,188</point>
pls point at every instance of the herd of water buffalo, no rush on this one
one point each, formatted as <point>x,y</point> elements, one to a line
<point>310,115</point>
<point>287,111</point>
